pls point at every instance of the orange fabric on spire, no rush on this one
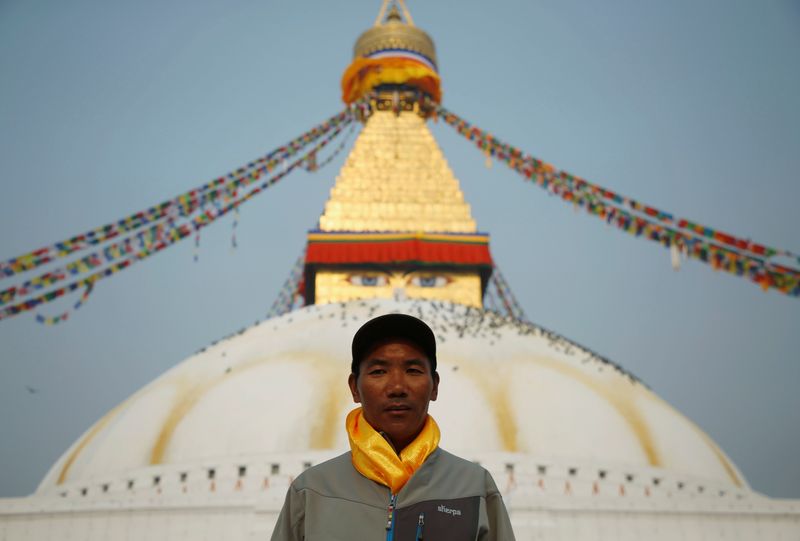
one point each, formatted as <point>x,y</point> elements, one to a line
<point>364,74</point>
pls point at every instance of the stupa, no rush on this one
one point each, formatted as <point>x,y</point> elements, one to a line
<point>580,448</point>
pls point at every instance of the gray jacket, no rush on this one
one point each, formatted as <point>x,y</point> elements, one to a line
<point>448,498</point>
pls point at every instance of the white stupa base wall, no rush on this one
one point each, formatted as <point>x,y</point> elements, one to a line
<point>237,522</point>
<point>547,499</point>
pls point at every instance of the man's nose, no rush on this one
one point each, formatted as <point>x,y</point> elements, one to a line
<point>397,384</point>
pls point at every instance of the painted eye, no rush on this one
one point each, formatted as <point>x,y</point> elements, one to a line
<point>367,280</point>
<point>434,280</point>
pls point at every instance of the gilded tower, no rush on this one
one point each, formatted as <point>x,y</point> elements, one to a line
<point>396,223</point>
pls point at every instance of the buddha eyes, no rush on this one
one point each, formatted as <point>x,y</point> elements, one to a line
<point>433,280</point>
<point>381,280</point>
<point>368,280</point>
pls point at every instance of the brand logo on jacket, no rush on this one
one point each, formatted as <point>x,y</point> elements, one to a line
<point>447,510</point>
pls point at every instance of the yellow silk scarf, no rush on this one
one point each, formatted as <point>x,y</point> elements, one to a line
<point>374,457</point>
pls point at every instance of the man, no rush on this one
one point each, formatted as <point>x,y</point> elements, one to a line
<point>396,481</point>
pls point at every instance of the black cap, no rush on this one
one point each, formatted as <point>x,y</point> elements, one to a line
<point>393,326</point>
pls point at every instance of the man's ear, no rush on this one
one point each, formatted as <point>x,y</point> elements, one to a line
<point>435,391</point>
<point>352,382</point>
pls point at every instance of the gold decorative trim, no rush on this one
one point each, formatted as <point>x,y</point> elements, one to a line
<point>395,35</point>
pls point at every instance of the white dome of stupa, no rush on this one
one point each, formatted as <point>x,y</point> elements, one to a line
<point>279,387</point>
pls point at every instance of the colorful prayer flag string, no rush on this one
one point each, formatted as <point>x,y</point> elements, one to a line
<point>290,291</point>
<point>234,244</point>
<point>720,250</point>
<point>182,205</point>
<point>197,246</point>
<point>166,236</point>
<point>340,147</point>
<point>108,253</point>
<point>511,306</point>
<point>55,320</point>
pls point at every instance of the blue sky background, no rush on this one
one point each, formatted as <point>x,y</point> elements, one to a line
<point>107,107</point>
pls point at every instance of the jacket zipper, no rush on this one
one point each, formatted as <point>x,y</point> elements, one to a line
<point>390,518</point>
<point>420,525</point>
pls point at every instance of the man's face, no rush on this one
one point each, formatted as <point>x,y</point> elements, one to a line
<point>394,386</point>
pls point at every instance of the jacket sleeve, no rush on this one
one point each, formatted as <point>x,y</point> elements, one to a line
<point>499,521</point>
<point>290,524</point>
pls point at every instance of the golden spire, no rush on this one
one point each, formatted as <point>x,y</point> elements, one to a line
<point>396,179</point>
<point>394,14</point>
<point>396,222</point>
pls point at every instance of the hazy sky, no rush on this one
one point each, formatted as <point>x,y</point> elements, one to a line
<point>107,107</point>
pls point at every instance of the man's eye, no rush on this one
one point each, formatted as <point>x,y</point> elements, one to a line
<point>376,371</point>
